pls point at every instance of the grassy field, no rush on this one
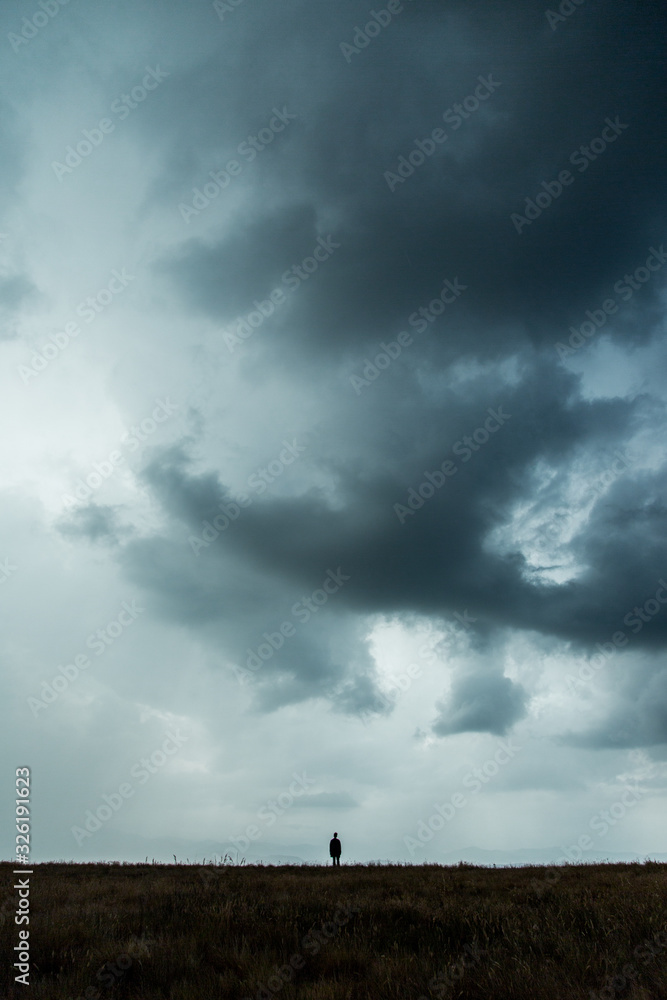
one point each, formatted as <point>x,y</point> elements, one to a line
<point>184,932</point>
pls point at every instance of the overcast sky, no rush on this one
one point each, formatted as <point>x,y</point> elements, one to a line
<point>333,471</point>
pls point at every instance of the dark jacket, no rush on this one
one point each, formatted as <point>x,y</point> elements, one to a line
<point>334,847</point>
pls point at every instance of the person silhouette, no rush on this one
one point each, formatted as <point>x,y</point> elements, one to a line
<point>334,849</point>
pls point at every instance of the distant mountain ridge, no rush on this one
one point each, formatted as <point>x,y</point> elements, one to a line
<point>136,849</point>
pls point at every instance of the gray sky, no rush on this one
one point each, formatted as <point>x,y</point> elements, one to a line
<point>334,388</point>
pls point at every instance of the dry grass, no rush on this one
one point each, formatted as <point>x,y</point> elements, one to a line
<point>108,931</point>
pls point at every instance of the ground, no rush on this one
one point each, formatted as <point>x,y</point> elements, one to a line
<point>190,932</point>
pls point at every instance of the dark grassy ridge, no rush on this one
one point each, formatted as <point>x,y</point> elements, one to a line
<point>108,931</point>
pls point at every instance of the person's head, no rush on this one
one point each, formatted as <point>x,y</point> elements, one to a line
<point>335,834</point>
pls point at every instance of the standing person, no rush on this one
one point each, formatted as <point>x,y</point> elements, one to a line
<point>334,849</point>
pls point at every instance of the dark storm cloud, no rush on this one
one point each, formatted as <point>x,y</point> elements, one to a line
<point>430,559</point>
<point>264,620</point>
<point>481,703</point>
<point>330,173</point>
<point>637,715</point>
<point>452,216</point>
<point>432,564</point>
